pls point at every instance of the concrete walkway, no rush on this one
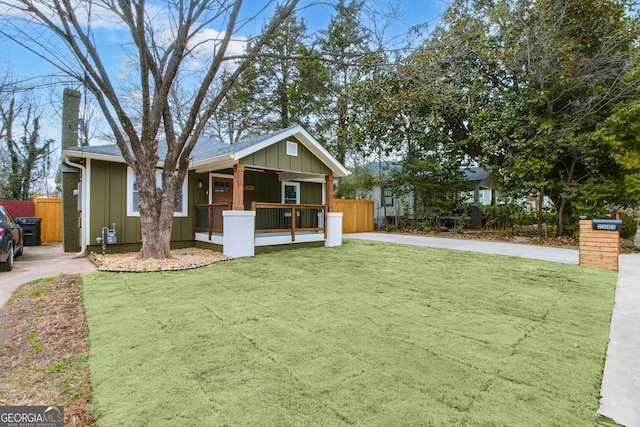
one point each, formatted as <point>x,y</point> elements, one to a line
<point>621,381</point>
<point>620,389</point>
<point>38,262</point>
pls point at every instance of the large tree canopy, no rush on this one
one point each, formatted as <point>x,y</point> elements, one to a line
<point>520,86</point>
<point>539,91</point>
<point>171,45</point>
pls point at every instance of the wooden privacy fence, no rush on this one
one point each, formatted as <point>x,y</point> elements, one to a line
<point>50,210</point>
<point>18,208</point>
<point>357,215</point>
<point>47,208</point>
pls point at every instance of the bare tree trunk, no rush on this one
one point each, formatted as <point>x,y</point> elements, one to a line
<point>156,208</point>
<point>159,61</point>
<point>382,198</point>
<point>540,210</point>
<point>563,198</point>
<point>159,228</point>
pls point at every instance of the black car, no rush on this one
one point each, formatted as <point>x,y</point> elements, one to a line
<point>11,240</point>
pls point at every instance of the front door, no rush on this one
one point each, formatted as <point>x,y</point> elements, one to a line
<point>221,193</point>
<point>222,190</point>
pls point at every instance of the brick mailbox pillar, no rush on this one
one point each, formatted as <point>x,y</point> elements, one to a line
<point>600,243</point>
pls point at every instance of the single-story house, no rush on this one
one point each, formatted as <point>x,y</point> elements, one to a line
<point>267,190</point>
<point>391,205</point>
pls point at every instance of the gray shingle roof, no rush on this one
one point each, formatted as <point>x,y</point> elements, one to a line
<point>471,173</point>
<point>475,173</point>
<point>206,148</point>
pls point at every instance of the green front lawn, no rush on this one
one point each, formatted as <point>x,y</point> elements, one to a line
<point>365,334</point>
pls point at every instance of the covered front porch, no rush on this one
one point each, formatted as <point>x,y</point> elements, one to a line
<point>270,190</point>
<point>273,224</point>
<point>250,206</point>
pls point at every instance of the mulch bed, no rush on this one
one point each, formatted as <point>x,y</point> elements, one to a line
<point>181,259</point>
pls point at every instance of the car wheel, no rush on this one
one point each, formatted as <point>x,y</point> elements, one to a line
<point>8,264</point>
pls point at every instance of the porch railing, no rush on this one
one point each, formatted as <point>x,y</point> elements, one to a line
<point>270,218</point>
<point>278,218</point>
<point>208,218</point>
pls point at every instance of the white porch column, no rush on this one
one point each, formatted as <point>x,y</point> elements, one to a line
<point>238,239</point>
<point>334,229</point>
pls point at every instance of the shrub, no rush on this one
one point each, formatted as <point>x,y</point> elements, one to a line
<point>506,217</point>
<point>629,226</point>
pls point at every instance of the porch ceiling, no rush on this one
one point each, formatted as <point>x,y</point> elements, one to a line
<point>282,175</point>
<point>306,177</point>
<point>214,165</point>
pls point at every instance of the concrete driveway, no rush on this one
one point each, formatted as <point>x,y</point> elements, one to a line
<point>545,253</point>
<point>38,262</point>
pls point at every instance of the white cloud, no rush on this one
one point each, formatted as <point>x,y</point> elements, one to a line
<point>205,45</point>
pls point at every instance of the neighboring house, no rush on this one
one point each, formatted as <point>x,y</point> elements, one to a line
<point>394,206</point>
<point>386,202</point>
<point>483,192</point>
<point>265,181</point>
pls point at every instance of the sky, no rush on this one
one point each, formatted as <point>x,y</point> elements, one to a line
<point>34,71</point>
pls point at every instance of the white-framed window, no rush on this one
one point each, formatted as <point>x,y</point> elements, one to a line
<point>290,193</point>
<point>388,196</point>
<point>292,148</point>
<point>132,195</point>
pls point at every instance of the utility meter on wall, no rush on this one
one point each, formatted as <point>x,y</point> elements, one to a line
<point>111,236</point>
<point>108,237</point>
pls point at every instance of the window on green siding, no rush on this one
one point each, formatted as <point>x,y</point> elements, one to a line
<point>291,193</point>
<point>132,195</point>
<point>292,148</point>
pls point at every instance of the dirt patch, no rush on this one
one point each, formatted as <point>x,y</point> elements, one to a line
<point>181,259</point>
<point>44,351</point>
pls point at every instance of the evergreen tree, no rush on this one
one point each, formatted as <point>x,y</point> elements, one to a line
<point>343,45</point>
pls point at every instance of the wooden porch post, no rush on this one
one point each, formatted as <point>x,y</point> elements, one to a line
<point>329,190</point>
<point>238,187</point>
